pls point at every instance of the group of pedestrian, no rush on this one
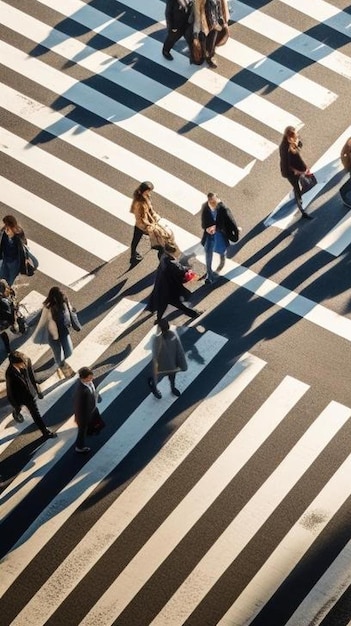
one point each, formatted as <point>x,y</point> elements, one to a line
<point>203,24</point>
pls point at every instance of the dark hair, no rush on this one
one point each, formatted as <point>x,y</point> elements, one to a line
<point>211,195</point>
<point>163,325</point>
<point>17,357</point>
<point>55,298</point>
<point>146,185</point>
<point>170,248</point>
<point>11,222</point>
<point>84,372</point>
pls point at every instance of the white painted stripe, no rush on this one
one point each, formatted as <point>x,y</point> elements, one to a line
<point>58,268</point>
<point>109,109</point>
<point>109,456</point>
<point>323,12</point>
<point>144,86</point>
<point>293,39</point>
<point>51,217</point>
<point>136,41</point>
<point>289,552</point>
<point>338,237</point>
<point>324,169</point>
<point>86,353</point>
<point>247,523</point>
<point>324,595</point>
<point>104,150</point>
<point>296,84</point>
<point>195,504</point>
<point>131,501</point>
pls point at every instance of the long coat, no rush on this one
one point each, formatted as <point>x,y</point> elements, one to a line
<point>167,353</point>
<point>224,222</point>
<point>177,14</point>
<point>21,386</point>
<point>201,22</point>
<point>168,287</point>
<point>84,404</point>
<point>145,216</point>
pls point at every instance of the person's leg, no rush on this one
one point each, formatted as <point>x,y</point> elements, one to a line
<point>174,389</point>
<point>294,182</point>
<point>211,40</point>
<point>56,348</point>
<point>80,440</point>
<point>152,382</point>
<point>67,345</point>
<point>5,338</point>
<point>37,419</point>
<point>222,258</point>
<point>171,39</point>
<point>193,313</point>
<point>209,246</point>
<point>137,235</point>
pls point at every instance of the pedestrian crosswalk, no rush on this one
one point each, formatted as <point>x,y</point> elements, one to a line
<point>158,531</point>
<point>171,540</point>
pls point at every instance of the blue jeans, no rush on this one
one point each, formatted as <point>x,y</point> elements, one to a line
<point>62,348</point>
<point>209,248</point>
<point>9,270</point>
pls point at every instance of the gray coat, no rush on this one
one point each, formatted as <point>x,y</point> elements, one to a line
<point>168,354</point>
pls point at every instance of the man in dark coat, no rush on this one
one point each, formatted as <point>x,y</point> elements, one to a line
<point>169,285</point>
<point>22,390</point>
<point>85,409</point>
<point>219,228</point>
<point>177,19</point>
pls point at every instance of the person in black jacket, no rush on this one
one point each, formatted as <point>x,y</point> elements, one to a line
<point>177,19</point>
<point>219,228</point>
<point>22,390</point>
<point>85,408</point>
<point>169,285</point>
<point>292,166</point>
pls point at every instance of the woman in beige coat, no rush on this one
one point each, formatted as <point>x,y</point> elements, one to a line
<point>145,217</point>
<point>210,29</point>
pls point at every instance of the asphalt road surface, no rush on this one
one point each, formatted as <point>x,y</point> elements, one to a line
<point>229,505</point>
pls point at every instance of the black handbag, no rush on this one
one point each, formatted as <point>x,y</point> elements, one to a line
<point>30,262</point>
<point>75,323</point>
<point>307,182</point>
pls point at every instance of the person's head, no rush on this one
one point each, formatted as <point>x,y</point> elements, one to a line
<point>55,298</point>
<point>11,226</point>
<point>290,134</point>
<point>170,249</point>
<point>212,199</point>
<point>85,374</point>
<point>163,325</point>
<point>17,359</point>
<point>144,190</point>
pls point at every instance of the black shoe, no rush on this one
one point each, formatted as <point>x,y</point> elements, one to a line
<point>196,314</point>
<point>48,434</point>
<point>17,416</point>
<point>211,63</point>
<point>154,389</point>
<point>167,55</point>
<point>84,450</point>
<point>175,391</point>
<point>306,216</point>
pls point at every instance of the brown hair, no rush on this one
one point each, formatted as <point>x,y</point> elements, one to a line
<point>11,222</point>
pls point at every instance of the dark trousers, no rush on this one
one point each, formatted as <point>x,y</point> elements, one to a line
<point>294,182</point>
<point>173,37</point>
<point>171,378</point>
<point>5,338</point>
<point>34,411</point>
<point>137,235</point>
<point>179,305</point>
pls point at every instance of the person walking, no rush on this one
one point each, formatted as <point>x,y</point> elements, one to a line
<point>145,217</point>
<point>210,29</point>
<point>85,407</point>
<point>54,328</point>
<point>292,166</point>
<point>169,285</point>
<point>11,249</point>
<point>22,390</point>
<point>177,14</point>
<point>345,189</point>
<point>168,358</point>
<point>219,228</point>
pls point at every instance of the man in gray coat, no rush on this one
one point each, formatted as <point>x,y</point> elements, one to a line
<point>168,358</point>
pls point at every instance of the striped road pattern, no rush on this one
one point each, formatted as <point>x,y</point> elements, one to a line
<point>147,524</point>
<point>166,537</point>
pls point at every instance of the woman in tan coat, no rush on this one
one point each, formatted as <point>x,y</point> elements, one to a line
<point>145,217</point>
<point>210,29</point>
